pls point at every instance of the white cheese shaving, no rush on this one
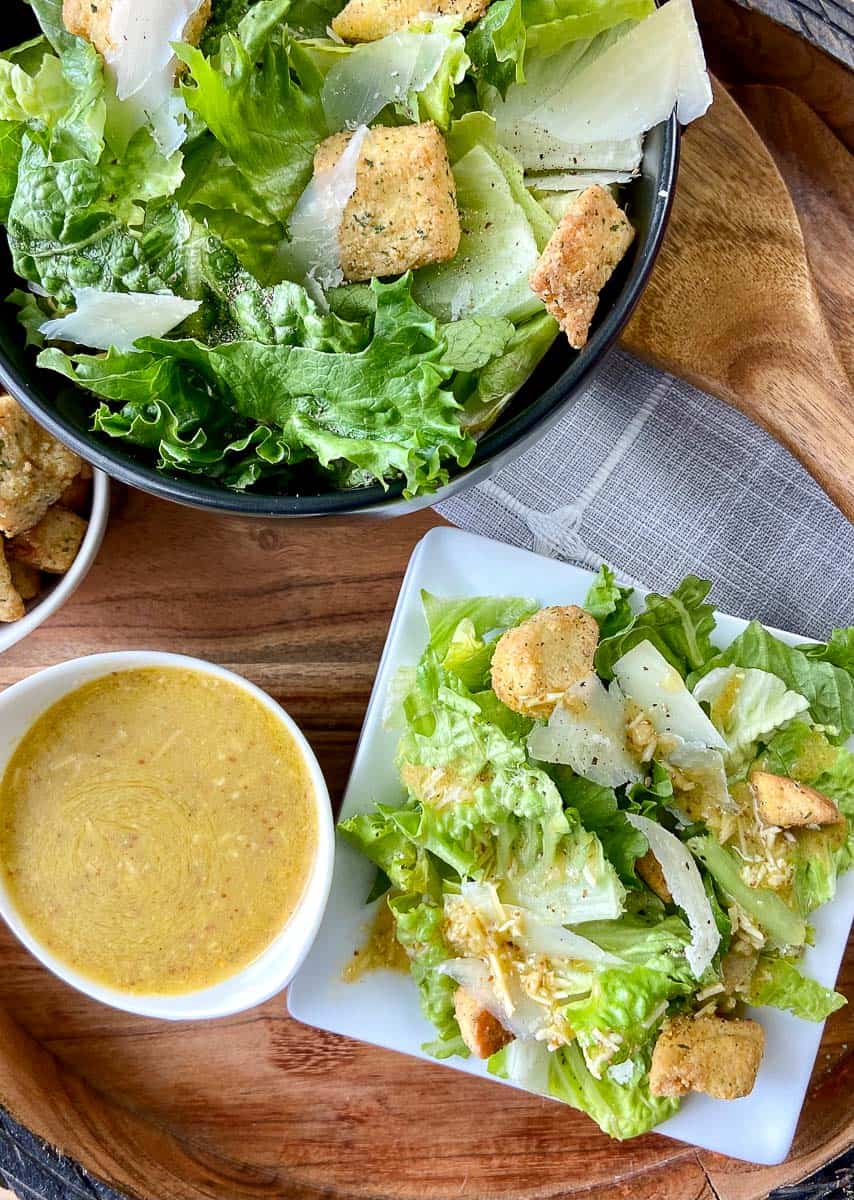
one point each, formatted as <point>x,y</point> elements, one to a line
<point>686,887</point>
<point>316,220</point>
<point>105,319</point>
<point>375,74</point>
<point>647,677</point>
<point>587,731</point>
<point>142,63</point>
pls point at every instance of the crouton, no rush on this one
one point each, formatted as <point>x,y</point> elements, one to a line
<point>579,259</point>
<point>11,604</point>
<point>403,213</point>
<point>26,580</point>
<point>706,1054</point>
<point>369,20</point>
<point>786,803</point>
<point>90,19</point>
<point>78,494</point>
<point>51,545</point>
<point>536,662</point>
<point>649,869</point>
<point>34,469</point>
<point>481,1031</point>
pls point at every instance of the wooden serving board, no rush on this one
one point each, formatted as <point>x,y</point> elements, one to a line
<point>258,1106</point>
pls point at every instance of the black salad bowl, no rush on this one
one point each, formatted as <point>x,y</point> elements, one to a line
<point>560,377</point>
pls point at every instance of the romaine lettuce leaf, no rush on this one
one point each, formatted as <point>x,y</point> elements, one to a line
<point>783,926</point>
<point>746,705</point>
<point>839,650</point>
<point>384,409</point>
<point>620,1110</point>
<point>260,97</point>
<point>418,927</point>
<point>647,940</point>
<point>778,983</point>
<point>679,626</point>
<point>381,839</point>
<point>828,688</point>
<point>486,613</point>
<point>485,395</point>
<point>609,603</point>
<point>599,812</point>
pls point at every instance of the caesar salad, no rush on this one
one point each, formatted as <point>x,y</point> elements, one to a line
<point>609,841</point>
<point>301,244</point>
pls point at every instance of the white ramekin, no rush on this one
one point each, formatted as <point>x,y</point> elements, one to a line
<point>54,598</point>
<point>24,702</point>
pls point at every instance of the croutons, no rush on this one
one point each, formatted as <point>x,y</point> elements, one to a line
<point>706,1054</point>
<point>787,803</point>
<point>11,602</point>
<point>78,494</point>
<point>51,545</point>
<point>90,19</point>
<point>481,1032</point>
<point>403,213</point>
<point>34,469</point>
<point>536,662</point>
<point>27,580</point>
<point>369,20</point>
<point>649,869</point>
<point>579,259</point>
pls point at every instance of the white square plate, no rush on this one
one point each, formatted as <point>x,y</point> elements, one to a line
<point>383,1008</point>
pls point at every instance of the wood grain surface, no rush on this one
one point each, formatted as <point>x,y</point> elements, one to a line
<point>257,1105</point>
<point>732,305</point>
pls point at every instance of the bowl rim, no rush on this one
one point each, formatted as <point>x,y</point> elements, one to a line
<point>68,583</point>
<point>273,969</point>
<point>377,499</point>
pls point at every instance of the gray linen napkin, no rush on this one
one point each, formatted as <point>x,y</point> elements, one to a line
<point>660,480</point>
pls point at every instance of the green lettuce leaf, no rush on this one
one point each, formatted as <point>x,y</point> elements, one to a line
<point>418,927</point>
<point>679,626</point>
<point>381,839</point>
<point>839,650</point>
<point>496,45</point>
<point>383,409</point>
<point>609,603</point>
<point>645,939</point>
<point>777,982</point>
<point>260,97</point>
<point>486,394</point>
<point>783,926</point>
<point>828,688</point>
<point>746,705</point>
<point>620,1110</point>
<point>599,812</point>
<point>487,614</point>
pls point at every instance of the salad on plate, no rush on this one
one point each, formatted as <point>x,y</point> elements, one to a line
<point>301,244</point>
<point>611,838</point>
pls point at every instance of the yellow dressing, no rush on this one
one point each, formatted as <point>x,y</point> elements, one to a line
<point>157,829</point>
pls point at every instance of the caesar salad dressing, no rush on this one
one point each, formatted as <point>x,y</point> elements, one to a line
<point>381,949</point>
<point>157,829</point>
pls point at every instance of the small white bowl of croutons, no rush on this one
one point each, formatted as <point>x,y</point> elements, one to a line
<point>53,513</point>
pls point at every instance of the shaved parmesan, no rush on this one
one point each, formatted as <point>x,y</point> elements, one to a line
<point>575,181</point>
<point>537,149</point>
<point>555,942</point>
<point>635,83</point>
<point>647,677</point>
<point>374,74</point>
<point>106,319</point>
<point>316,220</point>
<point>527,1063</point>
<point>587,731</point>
<point>141,62</point>
<point>686,887</point>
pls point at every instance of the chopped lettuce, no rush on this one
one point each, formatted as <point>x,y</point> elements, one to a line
<point>746,705</point>
<point>384,409</point>
<point>828,687</point>
<point>622,1110</point>
<point>778,983</point>
<point>260,98</point>
<point>679,626</point>
<point>609,603</point>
